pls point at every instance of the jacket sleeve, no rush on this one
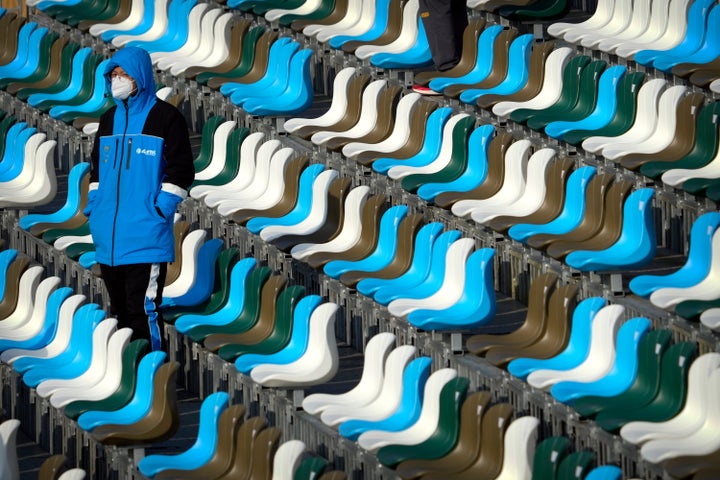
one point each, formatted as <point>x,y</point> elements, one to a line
<point>104,127</point>
<point>179,168</point>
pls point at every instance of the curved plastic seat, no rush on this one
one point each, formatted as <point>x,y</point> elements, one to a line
<point>28,283</point>
<point>623,372</point>
<point>475,150</point>
<point>645,119</point>
<point>274,76</point>
<point>427,422</point>
<point>335,111</point>
<point>202,285</point>
<point>598,360</point>
<point>449,162</point>
<point>443,286</point>
<point>651,350</point>
<point>213,48</point>
<point>408,409</point>
<point>300,221</point>
<point>9,467</point>
<point>30,317</point>
<point>690,418</point>
<point>475,307</point>
<point>296,345</point>
<point>549,454</point>
<point>440,441</point>
<point>317,365</point>
<point>140,403</point>
<point>623,29</point>
<point>314,174</point>
<point>435,131</point>
<point>604,110</point>
<point>424,239</point>
<point>636,245</point>
<point>665,59</point>
<point>577,348</point>
<point>101,378</point>
<point>259,312</point>
<point>202,449</point>
<point>349,232</point>
<point>190,248</point>
<point>664,399</point>
<point>605,472</point>
<point>483,65</point>
<point>528,200</point>
<point>515,177</point>
<point>464,451</point>
<point>111,401</point>
<point>85,367</point>
<point>287,458</point>
<point>572,212</point>
<point>134,19</point>
<point>56,345</point>
<point>36,223</point>
<point>382,254</point>
<point>665,29</point>
<point>185,37</point>
<point>211,160</point>
<point>153,26</point>
<point>658,135</point>
<point>409,50</point>
<point>295,98</point>
<point>182,17</point>
<point>559,93</point>
<point>549,90</point>
<point>37,184</point>
<point>399,134</point>
<point>197,45</point>
<point>388,398</point>
<point>667,297</point>
<point>253,178</point>
<point>550,339</point>
<point>230,309</point>
<point>269,334</point>
<point>106,379</point>
<point>42,326</point>
<point>706,54</point>
<point>370,384</point>
<point>83,63</point>
<point>520,440</point>
<point>695,268</point>
<point>517,72</point>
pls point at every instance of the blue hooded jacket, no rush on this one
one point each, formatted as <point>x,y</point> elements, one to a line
<point>142,166</point>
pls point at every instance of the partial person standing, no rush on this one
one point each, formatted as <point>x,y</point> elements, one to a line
<point>142,166</point>
<point>444,22</point>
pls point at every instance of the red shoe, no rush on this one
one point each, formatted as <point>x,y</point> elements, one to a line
<point>423,90</point>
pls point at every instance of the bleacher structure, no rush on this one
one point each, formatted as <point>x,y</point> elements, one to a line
<point>516,269</point>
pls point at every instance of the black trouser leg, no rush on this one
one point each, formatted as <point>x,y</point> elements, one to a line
<point>135,296</point>
<point>444,22</point>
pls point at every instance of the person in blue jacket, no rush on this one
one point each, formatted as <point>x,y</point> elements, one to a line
<point>142,166</point>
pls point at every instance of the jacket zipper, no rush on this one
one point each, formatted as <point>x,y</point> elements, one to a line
<point>117,197</point>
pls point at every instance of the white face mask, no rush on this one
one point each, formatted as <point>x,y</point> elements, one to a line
<point>121,87</point>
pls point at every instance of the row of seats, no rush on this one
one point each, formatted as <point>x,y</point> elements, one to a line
<point>228,446</point>
<point>95,379</point>
<point>52,468</point>
<point>671,35</point>
<point>171,31</point>
<point>27,165</point>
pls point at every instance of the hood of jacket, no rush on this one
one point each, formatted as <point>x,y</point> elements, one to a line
<point>137,63</point>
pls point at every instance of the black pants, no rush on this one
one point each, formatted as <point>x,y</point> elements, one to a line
<point>444,22</point>
<point>135,296</point>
